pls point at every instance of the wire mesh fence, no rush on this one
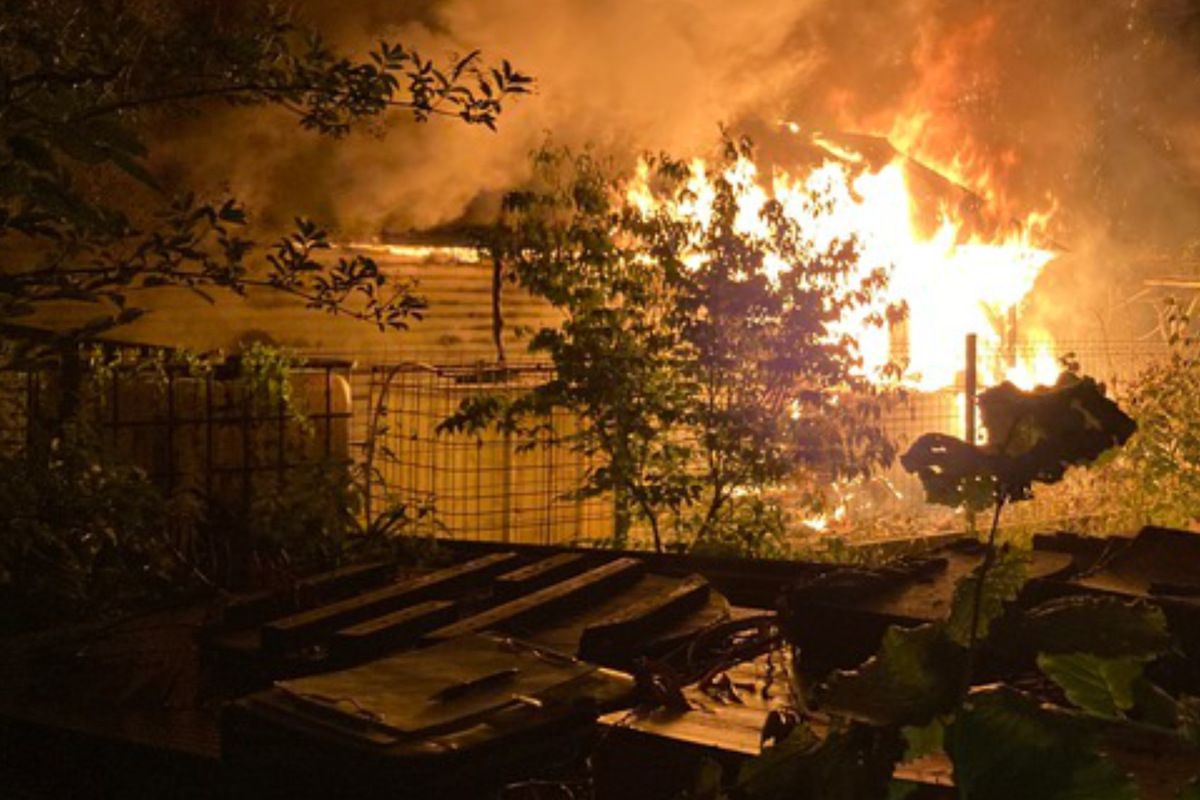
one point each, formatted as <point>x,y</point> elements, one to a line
<point>893,503</point>
<point>205,430</point>
<point>482,485</point>
<point>202,431</point>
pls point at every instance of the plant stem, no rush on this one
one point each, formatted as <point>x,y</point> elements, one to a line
<point>989,556</point>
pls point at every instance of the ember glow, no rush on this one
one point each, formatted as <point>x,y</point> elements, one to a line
<point>952,279</point>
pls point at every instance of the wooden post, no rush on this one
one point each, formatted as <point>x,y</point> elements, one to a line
<point>1011,344</point>
<point>970,389</point>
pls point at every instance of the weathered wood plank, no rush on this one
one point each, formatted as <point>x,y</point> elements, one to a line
<point>311,626</point>
<point>398,629</point>
<point>539,574</point>
<point>552,600</point>
<point>616,637</point>
<point>258,607</point>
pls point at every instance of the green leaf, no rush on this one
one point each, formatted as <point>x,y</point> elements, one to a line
<point>915,676</point>
<point>1191,791</point>
<point>924,740</point>
<point>1100,686</point>
<point>848,764</point>
<point>766,775</point>
<point>1004,746</point>
<point>1155,706</point>
<point>1005,578</point>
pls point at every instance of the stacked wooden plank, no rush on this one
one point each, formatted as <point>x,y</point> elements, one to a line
<point>455,676</point>
<point>602,607</point>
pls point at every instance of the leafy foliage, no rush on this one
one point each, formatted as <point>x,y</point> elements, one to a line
<point>83,83</point>
<point>1155,479</point>
<point>1004,746</point>
<point>1002,743</point>
<point>1032,436</point>
<point>84,218</point>
<point>924,740</point>
<point>86,535</point>
<point>1100,686</point>
<point>316,519</point>
<point>980,598</point>
<point>698,376</point>
<point>849,763</point>
<point>82,535</point>
<point>915,676</point>
<point>319,514</point>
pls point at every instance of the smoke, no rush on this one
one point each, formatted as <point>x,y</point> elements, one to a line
<point>620,76</point>
<point>1092,107</point>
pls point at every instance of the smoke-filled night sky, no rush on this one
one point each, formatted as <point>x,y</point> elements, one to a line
<point>1096,104</point>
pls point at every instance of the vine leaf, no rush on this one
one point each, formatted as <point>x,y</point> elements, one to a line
<point>1033,436</point>
<point>1100,686</point>
<point>848,764</point>
<point>924,740</point>
<point>1005,579</point>
<point>1003,745</point>
<point>915,676</point>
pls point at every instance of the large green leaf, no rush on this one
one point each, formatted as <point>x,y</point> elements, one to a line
<point>1101,686</point>
<point>1005,578</point>
<point>848,764</point>
<point>915,676</point>
<point>1003,746</point>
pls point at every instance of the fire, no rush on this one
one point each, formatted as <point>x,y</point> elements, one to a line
<point>952,278</point>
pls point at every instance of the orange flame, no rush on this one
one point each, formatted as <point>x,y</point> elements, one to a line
<point>952,279</point>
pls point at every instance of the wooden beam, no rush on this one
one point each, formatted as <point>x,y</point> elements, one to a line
<point>398,629</point>
<point>258,607</point>
<point>545,603</point>
<point>610,641</point>
<point>539,574</point>
<point>310,627</point>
